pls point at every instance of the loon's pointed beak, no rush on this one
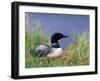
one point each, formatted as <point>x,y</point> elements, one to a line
<point>65,36</point>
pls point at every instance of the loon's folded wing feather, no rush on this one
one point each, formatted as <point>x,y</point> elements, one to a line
<point>42,50</point>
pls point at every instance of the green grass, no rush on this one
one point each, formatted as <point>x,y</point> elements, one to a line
<point>77,53</point>
<point>32,39</point>
<point>80,50</point>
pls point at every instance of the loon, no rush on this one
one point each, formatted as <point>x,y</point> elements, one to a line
<point>53,50</point>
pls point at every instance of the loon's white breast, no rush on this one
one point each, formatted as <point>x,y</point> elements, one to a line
<point>55,52</point>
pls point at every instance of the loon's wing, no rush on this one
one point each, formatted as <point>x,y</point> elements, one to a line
<point>42,50</point>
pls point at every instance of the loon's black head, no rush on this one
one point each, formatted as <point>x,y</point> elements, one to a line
<point>55,38</point>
